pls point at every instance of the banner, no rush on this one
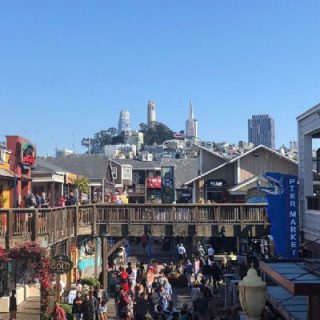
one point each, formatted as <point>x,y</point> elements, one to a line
<point>283,212</point>
<point>167,184</point>
<point>28,155</point>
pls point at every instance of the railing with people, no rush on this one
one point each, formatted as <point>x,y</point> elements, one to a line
<point>57,224</point>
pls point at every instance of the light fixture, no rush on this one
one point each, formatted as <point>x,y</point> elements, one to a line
<point>252,294</point>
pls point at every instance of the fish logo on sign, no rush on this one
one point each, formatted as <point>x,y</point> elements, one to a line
<point>274,187</point>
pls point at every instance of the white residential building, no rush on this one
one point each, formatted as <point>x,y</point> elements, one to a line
<point>308,130</point>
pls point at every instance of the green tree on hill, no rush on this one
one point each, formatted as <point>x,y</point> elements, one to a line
<point>157,134</point>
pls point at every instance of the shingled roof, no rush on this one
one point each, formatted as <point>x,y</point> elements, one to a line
<point>185,169</point>
<point>90,166</point>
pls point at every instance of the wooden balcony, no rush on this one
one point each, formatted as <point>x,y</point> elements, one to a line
<point>57,224</point>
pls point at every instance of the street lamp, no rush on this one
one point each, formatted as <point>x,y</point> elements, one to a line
<point>252,294</point>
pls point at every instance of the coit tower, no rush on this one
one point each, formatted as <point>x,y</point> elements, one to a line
<point>151,113</point>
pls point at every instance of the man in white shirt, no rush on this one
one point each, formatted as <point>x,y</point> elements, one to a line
<point>181,252</point>
<point>210,252</point>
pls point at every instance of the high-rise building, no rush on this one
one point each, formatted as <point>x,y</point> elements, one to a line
<point>191,125</point>
<point>261,130</point>
<point>151,113</point>
<point>124,121</point>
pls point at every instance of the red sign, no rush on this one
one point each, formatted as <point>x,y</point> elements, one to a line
<point>154,183</point>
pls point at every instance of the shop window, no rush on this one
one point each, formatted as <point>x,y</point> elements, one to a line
<point>126,173</point>
<point>114,173</point>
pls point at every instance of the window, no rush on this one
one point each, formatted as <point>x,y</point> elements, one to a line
<point>126,173</point>
<point>114,173</point>
<point>2,155</point>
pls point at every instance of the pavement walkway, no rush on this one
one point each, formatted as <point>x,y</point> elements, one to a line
<point>29,310</point>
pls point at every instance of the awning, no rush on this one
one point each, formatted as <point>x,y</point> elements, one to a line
<point>6,173</point>
<point>289,306</point>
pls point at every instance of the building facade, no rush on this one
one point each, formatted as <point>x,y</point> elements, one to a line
<point>261,131</point>
<point>6,177</point>
<point>22,159</point>
<point>191,125</point>
<point>309,131</point>
<point>124,121</point>
<point>151,114</point>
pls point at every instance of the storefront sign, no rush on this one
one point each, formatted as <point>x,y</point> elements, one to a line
<point>60,264</point>
<point>167,184</point>
<point>28,155</point>
<point>71,178</point>
<point>154,183</point>
<point>283,212</point>
<point>86,263</point>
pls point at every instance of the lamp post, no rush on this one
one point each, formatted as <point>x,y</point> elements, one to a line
<point>252,294</point>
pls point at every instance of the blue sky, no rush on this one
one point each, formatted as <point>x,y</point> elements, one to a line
<point>67,68</point>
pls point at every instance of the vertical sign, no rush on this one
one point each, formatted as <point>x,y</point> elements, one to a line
<point>282,197</point>
<point>167,184</point>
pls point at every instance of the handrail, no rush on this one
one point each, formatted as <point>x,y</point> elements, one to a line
<point>59,223</point>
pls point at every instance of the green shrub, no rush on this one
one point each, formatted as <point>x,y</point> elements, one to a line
<point>91,282</point>
<point>68,310</point>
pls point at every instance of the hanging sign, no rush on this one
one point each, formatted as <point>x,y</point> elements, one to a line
<point>60,264</point>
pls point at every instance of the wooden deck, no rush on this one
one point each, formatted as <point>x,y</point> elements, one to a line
<point>56,224</point>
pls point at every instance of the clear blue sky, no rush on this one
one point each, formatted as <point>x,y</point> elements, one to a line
<point>68,67</point>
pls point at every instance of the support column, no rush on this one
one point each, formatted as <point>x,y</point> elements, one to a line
<point>105,262</point>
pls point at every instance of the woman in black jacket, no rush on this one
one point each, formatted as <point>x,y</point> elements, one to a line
<point>77,306</point>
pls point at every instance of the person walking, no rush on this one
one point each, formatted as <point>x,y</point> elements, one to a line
<point>59,313</point>
<point>87,309</point>
<point>196,267</point>
<point>188,270</point>
<point>76,306</point>
<point>181,252</point>
<point>210,252</point>
<point>195,294</point>
<point>13,305</point>
<point>141,308</point>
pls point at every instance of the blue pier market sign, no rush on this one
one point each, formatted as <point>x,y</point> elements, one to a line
<point>283,212</point>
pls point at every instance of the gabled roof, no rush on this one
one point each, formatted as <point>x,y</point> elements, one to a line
<point>309,112</point>
<point>246,183</point>
<point>211,152</point>
<point>138,164</point>
<point>244,155</point>
<point>184,169</point>
<point>45,167</point>
<point>90,166</point>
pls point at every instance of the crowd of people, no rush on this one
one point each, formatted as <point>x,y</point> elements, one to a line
<point>88,304</point>
<point>36,200</point>
<point>144,291</point>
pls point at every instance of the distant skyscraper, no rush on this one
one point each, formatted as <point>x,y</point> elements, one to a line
<point>151,113</point>
<point>191,125</point>
<point>261,130</point>
<point>124,121</point>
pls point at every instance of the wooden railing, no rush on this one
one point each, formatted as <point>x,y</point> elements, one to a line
<point>57,224</point>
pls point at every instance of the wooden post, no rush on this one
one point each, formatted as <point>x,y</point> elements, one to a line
<point>105,262</point>
<point>76,221</point>
<point>94,220</point>
<point>35,225</point>
<point>58,288</point>
<point>9,229</point>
